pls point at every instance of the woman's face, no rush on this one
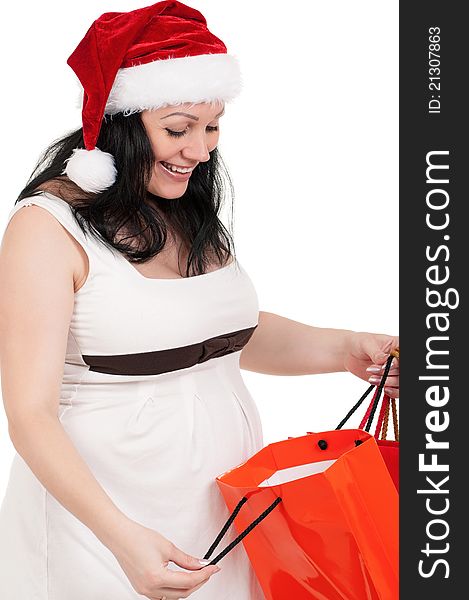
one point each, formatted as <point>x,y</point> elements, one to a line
<point>182,136</point>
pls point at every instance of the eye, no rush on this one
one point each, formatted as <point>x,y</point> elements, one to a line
<point>175,133</point>
<point>183,132</point>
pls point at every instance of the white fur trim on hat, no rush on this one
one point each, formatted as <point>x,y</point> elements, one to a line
<point>165,82</point>
<point>92,170</point>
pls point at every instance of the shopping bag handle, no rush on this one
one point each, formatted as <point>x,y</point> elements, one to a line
<point>378,390</point>
<point>248,529</point>
<point>389,404</point>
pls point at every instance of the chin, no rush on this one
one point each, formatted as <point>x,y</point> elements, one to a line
<point>169,192</point>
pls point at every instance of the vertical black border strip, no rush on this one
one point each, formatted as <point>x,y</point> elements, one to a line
<point>433,502</point>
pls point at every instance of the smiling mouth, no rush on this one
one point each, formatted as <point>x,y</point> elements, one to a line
<point>173,169</point>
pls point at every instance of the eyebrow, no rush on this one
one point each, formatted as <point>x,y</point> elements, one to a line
<point>190,116</point>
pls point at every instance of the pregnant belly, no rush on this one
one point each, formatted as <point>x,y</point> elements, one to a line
<point>159,441</point>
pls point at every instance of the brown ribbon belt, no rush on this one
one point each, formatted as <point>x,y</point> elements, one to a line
<point>163,361</point>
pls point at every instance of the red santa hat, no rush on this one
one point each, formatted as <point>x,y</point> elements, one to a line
<point>147,58</point>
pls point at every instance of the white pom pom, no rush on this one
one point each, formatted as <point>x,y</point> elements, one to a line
<point>92,170</point>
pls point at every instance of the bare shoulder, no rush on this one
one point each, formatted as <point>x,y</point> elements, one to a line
<point>33,234</point>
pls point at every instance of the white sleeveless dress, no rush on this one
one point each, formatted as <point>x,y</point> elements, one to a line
<point>153,399</point>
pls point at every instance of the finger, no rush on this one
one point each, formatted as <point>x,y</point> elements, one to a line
<point>392,392</point>
<point>394,364</point>
<point>380,372</point>
<point>180,579</point>
<point>376,369</point>
<point>379,351</point>
<point>391,380</point>
<point>184,560</point>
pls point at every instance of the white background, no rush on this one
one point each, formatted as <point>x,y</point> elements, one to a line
<point>311,145</point>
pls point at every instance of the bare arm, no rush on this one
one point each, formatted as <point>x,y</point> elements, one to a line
<point>281,346</point>
<point>36,304</point>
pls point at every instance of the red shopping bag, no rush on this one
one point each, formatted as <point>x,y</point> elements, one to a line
<point>318,516</point>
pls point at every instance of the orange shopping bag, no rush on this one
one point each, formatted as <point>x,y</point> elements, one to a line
<point>318,517</point>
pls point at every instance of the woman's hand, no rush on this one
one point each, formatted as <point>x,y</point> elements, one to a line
<point>144,555</point>
<point>366,355</point>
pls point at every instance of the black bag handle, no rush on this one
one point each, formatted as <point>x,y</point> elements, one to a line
<point>376,400</point>
<point>248,529</point>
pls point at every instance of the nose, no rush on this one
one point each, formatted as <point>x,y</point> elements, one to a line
<point>197,149</point>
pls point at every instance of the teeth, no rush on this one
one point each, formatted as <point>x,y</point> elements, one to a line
<point>175,169</point>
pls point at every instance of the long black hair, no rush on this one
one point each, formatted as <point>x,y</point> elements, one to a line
<point>128,204</point>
